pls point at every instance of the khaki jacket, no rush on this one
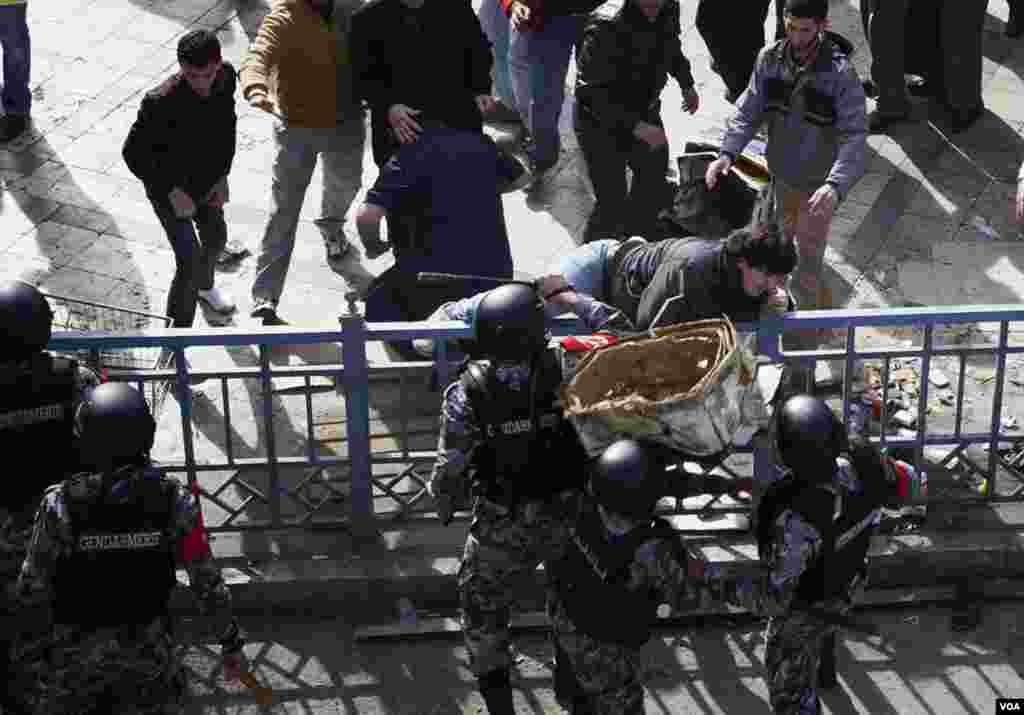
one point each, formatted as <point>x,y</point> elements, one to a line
<point>302,61</point>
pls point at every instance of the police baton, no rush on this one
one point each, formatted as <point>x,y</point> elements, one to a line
<point>442,279</point>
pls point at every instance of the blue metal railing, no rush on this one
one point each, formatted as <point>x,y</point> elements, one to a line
<point>354,376</point>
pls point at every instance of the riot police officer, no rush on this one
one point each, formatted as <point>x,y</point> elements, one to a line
<point>39,396</point>
<point>814,528</point>
<point>504,442</point>
<point>121,528</point>
<point>619,564</point>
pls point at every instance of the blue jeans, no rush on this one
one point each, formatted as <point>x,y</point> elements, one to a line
<point>538,62</point>
<point>195,257</point>
<point>494,22</point>
<point>584,268</point>
<point>17,49</point>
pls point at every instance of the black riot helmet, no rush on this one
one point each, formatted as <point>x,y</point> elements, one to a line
<point>509,323</point>
<point>25,318</point>
<point>115,426</point>
<point>629,478</point>
<point>808,438</point>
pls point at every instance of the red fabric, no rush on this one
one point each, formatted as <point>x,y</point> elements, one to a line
<point>582,343</point>
<point>196,543</point>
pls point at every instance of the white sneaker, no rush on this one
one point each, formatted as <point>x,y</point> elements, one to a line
<point>218,300</point>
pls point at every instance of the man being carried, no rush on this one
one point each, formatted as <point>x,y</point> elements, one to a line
<point>634,285</point>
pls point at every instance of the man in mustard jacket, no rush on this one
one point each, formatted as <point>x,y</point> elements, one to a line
<point>298,69</point>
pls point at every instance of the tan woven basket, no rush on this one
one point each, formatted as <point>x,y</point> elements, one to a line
<point>687,386</point>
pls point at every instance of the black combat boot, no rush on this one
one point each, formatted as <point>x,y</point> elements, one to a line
<point>496,689</point>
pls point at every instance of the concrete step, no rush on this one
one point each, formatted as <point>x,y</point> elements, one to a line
<point>318,574</point>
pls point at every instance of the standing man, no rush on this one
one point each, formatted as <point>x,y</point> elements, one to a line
<point>298,69</point>
<point>181,147</point>
<point>807,90</point>
<point>17,50</point>
<point>885,25</point>
<point>112,651</point>
<point>41,393</point>
<point>505,443</point>
<point>628,50</point>
<point>413,59</point>
<point>541,40</point>
<point>814,527</point>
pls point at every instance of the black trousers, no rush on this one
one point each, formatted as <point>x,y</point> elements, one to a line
<point>620,210</point>
<point>734,34</point>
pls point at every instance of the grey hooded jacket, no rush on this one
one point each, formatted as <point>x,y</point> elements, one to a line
<point>817,121</point>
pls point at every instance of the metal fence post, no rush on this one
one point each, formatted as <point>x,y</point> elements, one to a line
<point>357,420</point>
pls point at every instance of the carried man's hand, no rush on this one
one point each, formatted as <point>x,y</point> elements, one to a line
<point>485,103</point>
<point>823,201</point>
<point>691,100</point>
<point>553,284</point>
<point>650,134</point>
<point>403,122</point>
<point>181,203</point>
<point>520,16</point>
<point>715,169</point>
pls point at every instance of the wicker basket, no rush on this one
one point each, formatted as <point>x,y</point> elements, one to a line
<point>688,386</point>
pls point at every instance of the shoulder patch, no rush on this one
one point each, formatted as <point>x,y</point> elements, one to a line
<point>165,87</point>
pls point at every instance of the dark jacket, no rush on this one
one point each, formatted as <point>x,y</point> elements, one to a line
<point>435,59</point>
<point>698,271</point>
<point>183,140</point>
<point>624,61</point>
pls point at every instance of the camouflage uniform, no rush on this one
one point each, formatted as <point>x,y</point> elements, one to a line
<point>605,672</point>
<point>795,633</point>
<point>130,669</point>
<point>505,542</point>
<point>15,531</point>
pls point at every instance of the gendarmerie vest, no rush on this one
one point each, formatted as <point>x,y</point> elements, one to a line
<point>593,579</point>
<point>37,419</point>
<point>121,570</point>
<point>529,449</point>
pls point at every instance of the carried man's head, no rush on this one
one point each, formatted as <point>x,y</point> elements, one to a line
<point>765,258</point>
<point>200,59</point>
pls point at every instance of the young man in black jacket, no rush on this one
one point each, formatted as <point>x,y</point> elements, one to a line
<point>628,50</point>
<point>181,148</point>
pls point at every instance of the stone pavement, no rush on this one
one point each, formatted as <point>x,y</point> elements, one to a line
<point>919,667</point>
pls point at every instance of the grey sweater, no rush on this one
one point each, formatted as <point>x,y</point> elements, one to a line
<point>817,122</point>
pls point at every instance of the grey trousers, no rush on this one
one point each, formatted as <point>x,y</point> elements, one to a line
<point>885,27</point>
<point>340,150</point>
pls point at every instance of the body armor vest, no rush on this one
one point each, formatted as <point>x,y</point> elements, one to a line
<point>121,546</point>
<point>37,419</point>
<point>529,450</point>
<point>592,579</point>
<point>845,540</point>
